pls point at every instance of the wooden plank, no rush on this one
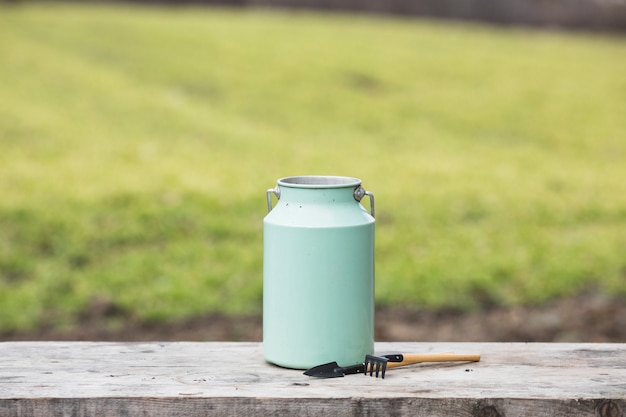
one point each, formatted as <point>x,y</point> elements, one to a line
<point>44,379</point>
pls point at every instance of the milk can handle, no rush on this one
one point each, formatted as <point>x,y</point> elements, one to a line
<point>360,192</point>
<point>276,192</point>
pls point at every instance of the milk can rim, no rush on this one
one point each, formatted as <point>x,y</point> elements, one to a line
<point>319,181</point>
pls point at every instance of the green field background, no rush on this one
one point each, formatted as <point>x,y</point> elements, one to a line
<point>136,145</point>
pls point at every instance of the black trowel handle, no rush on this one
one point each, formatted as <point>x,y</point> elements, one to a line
<point>352,369</point>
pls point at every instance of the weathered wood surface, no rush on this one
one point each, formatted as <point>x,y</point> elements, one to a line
<point>43,379</point>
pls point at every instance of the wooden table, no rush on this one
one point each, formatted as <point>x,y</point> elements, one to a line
<point>43,379</point>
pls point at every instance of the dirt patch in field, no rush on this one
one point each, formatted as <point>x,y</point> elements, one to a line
<point>585,318</point>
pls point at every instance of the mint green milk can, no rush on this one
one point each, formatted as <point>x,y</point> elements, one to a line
<point>318,272</point>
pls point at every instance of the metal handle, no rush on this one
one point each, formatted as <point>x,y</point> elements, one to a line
<point>360,192</point>
<point>268,193</point>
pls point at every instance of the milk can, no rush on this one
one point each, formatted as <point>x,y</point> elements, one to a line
<point>318,272</point>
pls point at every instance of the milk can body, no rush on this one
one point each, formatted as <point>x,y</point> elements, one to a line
<point>318,273</point>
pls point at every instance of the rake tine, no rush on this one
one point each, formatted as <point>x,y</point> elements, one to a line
<point>376,364</point>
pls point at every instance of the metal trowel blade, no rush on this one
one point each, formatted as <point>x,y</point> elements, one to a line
<point>333,370</point>
<point>327,370</point>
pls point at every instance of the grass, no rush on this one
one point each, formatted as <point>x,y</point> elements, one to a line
<point>138,142</point>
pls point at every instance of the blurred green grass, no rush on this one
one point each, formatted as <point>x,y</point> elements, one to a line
<point>137,144</point>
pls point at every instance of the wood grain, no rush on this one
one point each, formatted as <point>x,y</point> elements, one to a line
<point>44,379</point>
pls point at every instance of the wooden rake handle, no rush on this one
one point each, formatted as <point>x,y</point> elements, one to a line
<point>411,358</point>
